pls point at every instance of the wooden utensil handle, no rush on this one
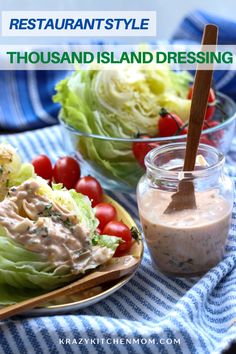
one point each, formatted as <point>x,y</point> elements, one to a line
<point>70,289</point>
<point>90,281</point>
<point>201,88</point>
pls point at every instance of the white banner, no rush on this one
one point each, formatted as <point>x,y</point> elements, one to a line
<point>78,23</point>
<point>110,57</point>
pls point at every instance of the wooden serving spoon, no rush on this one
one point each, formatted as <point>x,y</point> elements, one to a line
<point>185,196</point>
<point>121,267</point>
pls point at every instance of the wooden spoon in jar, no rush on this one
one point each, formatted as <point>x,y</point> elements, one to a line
<point>185,196</point>
<point>122,266</point>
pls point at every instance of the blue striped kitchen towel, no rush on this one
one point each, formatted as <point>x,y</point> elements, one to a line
<point>26,99</point>
<point>190,31</point>
<point>150,314</point>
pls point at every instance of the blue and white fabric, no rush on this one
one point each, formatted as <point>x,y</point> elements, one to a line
<point>190,31</point>
<point>199,315</point>
<point>157,314</point>
<point>26,99</point>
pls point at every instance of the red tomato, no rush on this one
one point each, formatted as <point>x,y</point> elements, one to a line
<point>205,140</point>
<point>105,213</point>
<point>91,187</point>
<point>190,93</point>
<point>211,107</point>
<point>140,149</point>
<point>66,171</point>
<point>211,124</point>
<point>214,136</point>
<point>183,131</point>
<point>42,166</point>
<point>169,123</point>
<point>119,229</point>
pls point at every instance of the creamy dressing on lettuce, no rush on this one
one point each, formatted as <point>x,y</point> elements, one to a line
<point>44,227</point>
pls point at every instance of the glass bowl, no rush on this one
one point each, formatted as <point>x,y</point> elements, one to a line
<point>120,171</point>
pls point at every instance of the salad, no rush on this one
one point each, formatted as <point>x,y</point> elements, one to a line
<point>49,235</point>
<point>129,103</point>
<point>120,104</point>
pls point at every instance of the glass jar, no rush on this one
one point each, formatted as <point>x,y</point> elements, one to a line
<point>191,241</point>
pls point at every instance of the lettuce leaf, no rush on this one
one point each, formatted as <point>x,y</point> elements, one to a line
<point>24,274</point>
<point>26,171</point>
<point>22,268</point>
<point>72,201</point>
<point>111,242</point>
<point>12,171</point>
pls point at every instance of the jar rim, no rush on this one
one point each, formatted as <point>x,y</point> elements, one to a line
<point>150,157</point>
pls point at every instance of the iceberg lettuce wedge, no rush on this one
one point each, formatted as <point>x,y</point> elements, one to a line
<point>24,272</point>
<point>120,104</point>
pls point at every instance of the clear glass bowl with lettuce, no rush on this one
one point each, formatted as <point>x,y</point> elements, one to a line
<point>106,112</point>
<point>47,234</point>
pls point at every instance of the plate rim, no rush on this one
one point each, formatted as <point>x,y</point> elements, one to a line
<point>73,306</point>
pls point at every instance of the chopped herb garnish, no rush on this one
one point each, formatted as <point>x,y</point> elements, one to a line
<point>190,260</point>
<point>56,215</point>
<point>47,210</point>
<point>1,170</point>
<point>95,239</point>
<point>42,231</point>
<point>136,235</point>
<point>68,223</point>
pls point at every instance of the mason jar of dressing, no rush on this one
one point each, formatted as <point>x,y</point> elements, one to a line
<point>191,241</point>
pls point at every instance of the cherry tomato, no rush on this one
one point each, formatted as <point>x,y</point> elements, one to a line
<point>169,123</point>
<point>66,171</point>
<point>190,93</point>
<point>184,130</point>
<point>42,166</point>
<point>211,107</point>
<point>210,124</point>
<point>214,136</point>
<point>206,140</point>
<point>91,187</point>
<point>119,229</point>
<point>105,213</point>
<point>140,149</point>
